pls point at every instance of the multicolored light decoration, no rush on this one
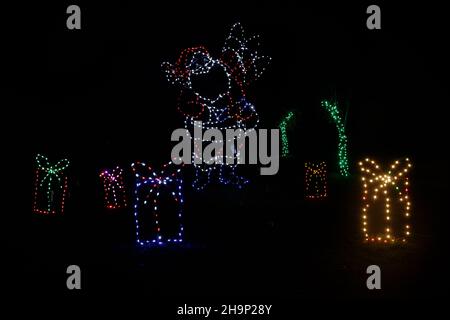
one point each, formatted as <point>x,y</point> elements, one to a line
<point>389,192</point>
<point>287,119</point>
<point>115,195</point>
<point>50,188</point>
<point>315,180</point>
<point>240,64</point>
<point>334,113</point>
<point>153,225</point>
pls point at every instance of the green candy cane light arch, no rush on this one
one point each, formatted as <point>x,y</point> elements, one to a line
<point>335,115</point>
<point>287,119</point>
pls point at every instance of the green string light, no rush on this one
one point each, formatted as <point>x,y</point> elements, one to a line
<point>284,139</point>
<point>52,172</point>
<point>333,111</point>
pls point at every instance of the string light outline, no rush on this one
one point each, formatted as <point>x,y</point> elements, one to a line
<point>382,183</point>
<point>114,188</point>
<point>335,115</point>
<point>315,180</point>
<point>52,172</point>
<point>155,181</point>
<point>241,65</point>
<point>287,119</point>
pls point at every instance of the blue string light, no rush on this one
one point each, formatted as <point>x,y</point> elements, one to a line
<point>149,185</point>
<point>241,63</point>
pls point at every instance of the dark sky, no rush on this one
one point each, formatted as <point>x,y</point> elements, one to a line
<point>95,85</point>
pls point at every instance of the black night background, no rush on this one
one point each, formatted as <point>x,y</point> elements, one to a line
<point>98,97</point>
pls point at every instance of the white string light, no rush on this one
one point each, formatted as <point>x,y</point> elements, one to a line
<point>241,63</point>
<point>149,186</point>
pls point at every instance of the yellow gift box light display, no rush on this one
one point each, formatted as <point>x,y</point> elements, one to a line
<point>385,192</point>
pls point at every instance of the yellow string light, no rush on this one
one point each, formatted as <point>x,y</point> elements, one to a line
<point>392,187</point>
<point>315,180</point>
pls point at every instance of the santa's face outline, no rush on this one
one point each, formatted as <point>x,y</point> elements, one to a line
<point>202,63</point>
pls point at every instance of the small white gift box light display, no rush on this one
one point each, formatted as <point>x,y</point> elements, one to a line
<point>386,208</point>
